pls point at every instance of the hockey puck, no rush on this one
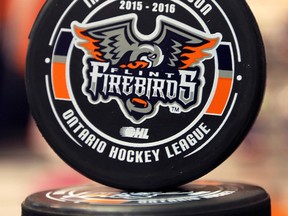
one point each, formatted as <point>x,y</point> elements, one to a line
<point>206,198</point>
<point>145,94</point>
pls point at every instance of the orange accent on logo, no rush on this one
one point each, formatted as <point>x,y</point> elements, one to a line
<point>221,96</point>
<point>59,81</point>
<point>90,44</point>
<point>135,65</point>
<point>140,101</point>
<point>98,198</point>
<point>106,201</point>
<point>196,54</point>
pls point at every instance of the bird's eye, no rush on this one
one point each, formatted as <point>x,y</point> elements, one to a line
<point>153,56</point>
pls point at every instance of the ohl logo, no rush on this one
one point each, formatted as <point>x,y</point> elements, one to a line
<point>144,72</point>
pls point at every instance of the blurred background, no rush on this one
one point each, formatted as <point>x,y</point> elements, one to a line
<point>27,164</point>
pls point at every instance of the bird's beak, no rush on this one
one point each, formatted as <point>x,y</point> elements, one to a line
<point>145,58</point>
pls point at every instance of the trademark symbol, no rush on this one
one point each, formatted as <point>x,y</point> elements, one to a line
<point>175,109</point>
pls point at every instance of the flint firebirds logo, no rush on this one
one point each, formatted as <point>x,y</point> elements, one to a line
<point>143,72</point>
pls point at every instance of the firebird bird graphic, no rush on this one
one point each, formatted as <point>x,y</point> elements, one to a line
<point>112,39</point>
<point>172,48</point>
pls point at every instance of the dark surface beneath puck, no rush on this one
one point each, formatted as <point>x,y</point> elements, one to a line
<point>207,198</point>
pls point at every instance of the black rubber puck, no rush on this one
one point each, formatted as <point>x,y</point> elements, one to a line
<point>199,198</point>
<point>145,94</point>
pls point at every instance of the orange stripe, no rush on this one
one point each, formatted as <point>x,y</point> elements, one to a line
<point>59,81</point>
<point>107,201</point>
<point>221,96</point>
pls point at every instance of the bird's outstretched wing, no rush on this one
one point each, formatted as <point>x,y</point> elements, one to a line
<point>106,41</point>
<point>186,46</point>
